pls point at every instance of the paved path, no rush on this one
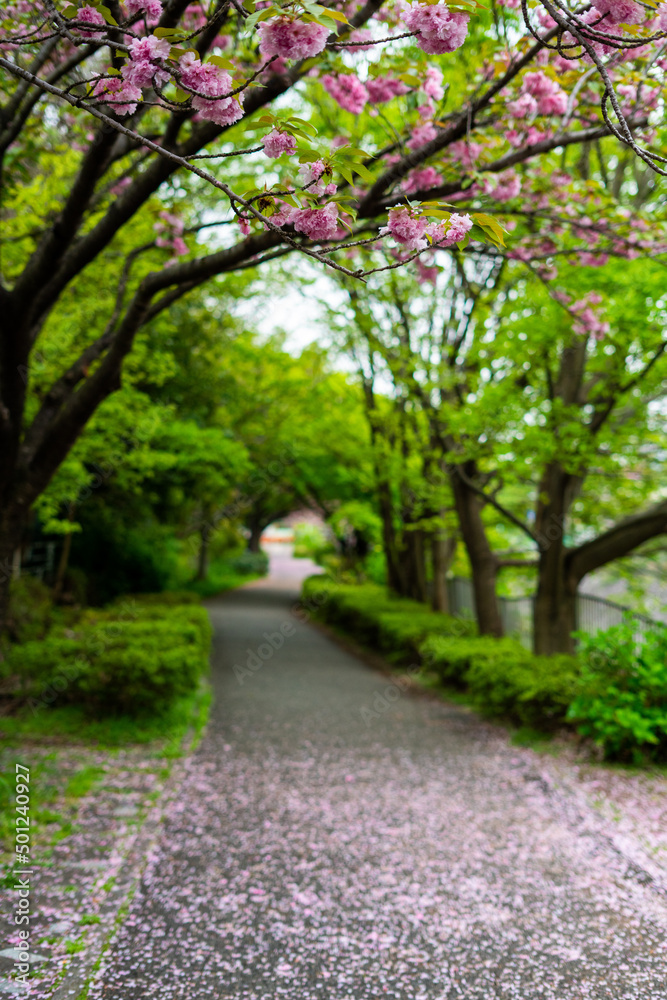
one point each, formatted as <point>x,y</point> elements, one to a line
<point>418,856</point>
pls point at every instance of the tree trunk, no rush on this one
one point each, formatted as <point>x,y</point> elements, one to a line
<point>11,528</point>
<point>555,615</point>
<point>62,568</point>
<point>442,553</point>
<point>416,565</point>
<point>395,570</point>
<point>556,596</point>
<point>64,560</point>
<point>255,537</point>
<point>202,558</point>
<point>483,562</point>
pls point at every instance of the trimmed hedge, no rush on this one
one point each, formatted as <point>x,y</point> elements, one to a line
<point>115,660</point>
<point>164,597</point>
<point>502,677</point>
<point>394,626</point>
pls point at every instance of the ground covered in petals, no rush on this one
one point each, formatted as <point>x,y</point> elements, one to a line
<point>312,855</point>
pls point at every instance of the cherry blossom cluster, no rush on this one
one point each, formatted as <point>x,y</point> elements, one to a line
<point>415,232</point>
<point>585,313</point>
<point>144,66</point>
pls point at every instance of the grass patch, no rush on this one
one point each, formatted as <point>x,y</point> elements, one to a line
<point>536,739</point>
<point>83,781</point>
<point>72,725</point>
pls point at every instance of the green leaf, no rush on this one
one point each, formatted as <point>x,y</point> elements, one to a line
<point>107,15</point>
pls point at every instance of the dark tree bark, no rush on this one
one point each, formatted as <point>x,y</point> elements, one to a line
<point>395,569</point>
<point>254,541</point>
<point>202,557</point>
<point>483,561</point>
<point>442,552</point>
<point>12,521</point>
<point>64,559</point>
<point>561,569</point>
<point>415,562</point>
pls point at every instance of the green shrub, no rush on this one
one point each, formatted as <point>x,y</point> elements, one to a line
<point>249,563</point>
<point>503,678</point>
<point>621,697</point>
<point>310,542</point>
<point>528,690</point>
<point>374,616</point>
<point>451,657</point>
<point>119,557</point>
<point>402,632</point>
<point>109,663</point>
<point>30,609</point>
<point>165,597</point>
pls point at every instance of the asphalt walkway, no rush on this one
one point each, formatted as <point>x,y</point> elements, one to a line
<point>337,838</point>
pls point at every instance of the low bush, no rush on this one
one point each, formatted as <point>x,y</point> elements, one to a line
<point>392,625</point>
<point>621,696</point>
<point>310,542</point>
<point>250,563</point>
<point>504,679</point>
<point>165,597</point>
<point>118,661</point>
<point>528,690</point>
<point>31,611</point>
<point>451,657</point>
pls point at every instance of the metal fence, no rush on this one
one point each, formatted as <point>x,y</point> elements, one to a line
<point>38,560</point>
<point>594,614</point>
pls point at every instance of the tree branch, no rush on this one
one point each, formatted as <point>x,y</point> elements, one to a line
<point>617,542</point>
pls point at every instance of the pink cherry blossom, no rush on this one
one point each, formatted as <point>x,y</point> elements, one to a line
<point>119,94</point>
<point>422,180</point>
<point>465,153</point>
<point>551,99</point>
<point>170,234</point>
<point>406,228</point>
<point>503,187</point>
<point>211,81</point>
<point>432,85</point>
<point>525,106</point>
<point>362,35</point>
<point>587,259</point>
<point>310,175</point>
<point>292,39</point>
<point>588,323</point>
<point>276,143</point>
<point>451,231</point>
<point>317,223</point>
<point>282,214</point>
<point>421,135</point>
<point>146,57</point>
<point>348,91</point>
<point>620,11</point>
<point>90,16</point>
<point>426,272</point>
<point>384,88</point>
<point>153,8</point>
<point>439,30</point>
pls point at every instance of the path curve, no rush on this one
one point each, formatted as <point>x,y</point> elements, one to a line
<point>318,852</point>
